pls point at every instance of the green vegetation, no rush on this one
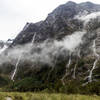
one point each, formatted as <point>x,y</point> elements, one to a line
<point>45,96</point>
<point>71,87</point>
<point>44,79</point>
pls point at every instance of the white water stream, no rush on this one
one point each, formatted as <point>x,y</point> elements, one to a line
<point>16,66</point>
<point>66,73</point>
<point>33,39</point>
<point>74,73</point>
<point>95,62</point>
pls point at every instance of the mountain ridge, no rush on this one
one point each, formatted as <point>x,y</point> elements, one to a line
<point>61,49</point>
<point>54,23</point>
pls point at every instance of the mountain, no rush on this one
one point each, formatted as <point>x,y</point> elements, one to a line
<point>62,52</point>
<point>58,23</point>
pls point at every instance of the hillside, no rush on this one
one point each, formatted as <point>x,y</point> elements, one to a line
<point>59,54</point>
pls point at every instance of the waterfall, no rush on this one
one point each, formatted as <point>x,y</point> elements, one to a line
<point>91,71</point>
<point>94,49</point>
<point>74,76</point>
<point>52,68</point>
<point>74,70</point>
<point>16,66</point>
<point>95,62</point>
<point>66,73</point>
<point>33,39</point>
<point>79,55</point>
<point>19,58</point>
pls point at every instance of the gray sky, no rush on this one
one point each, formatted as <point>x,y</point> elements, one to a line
<point>15,13</point>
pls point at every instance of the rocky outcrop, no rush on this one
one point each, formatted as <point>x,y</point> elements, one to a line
<point>76,56</point>
<point>58,24</point>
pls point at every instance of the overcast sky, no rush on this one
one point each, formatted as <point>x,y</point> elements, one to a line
<point>15,13</point>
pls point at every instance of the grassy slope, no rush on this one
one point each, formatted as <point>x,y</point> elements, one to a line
<point>45,96</point>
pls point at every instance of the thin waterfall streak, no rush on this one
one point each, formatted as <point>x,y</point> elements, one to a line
<point>69,63</point>
<point>16,66</point>
<point>32,42</point>
<point>91,71</point>
<point>74,74</point>
<point>79,53</point>
<point>33,39</point>
<point>67,66</point>
<point>95,62</point>
<point>52,68</point>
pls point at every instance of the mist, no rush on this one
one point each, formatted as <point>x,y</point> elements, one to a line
<point>47,51</point>
<point>44,52</point>
<point>86,18</point>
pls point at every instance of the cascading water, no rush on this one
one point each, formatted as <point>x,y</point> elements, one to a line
<point>79,53</point>
<point>74,73</point>
<point>33,39</point>
<point>95,62</point>
<point>55,61</point>
<point>71,43</point>
<point>18,61</point>
<point>16,66</point>
<point>66,73</point>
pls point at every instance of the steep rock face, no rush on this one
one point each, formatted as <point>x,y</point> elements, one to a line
<point>61,27</point>
<point>58,23</point>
